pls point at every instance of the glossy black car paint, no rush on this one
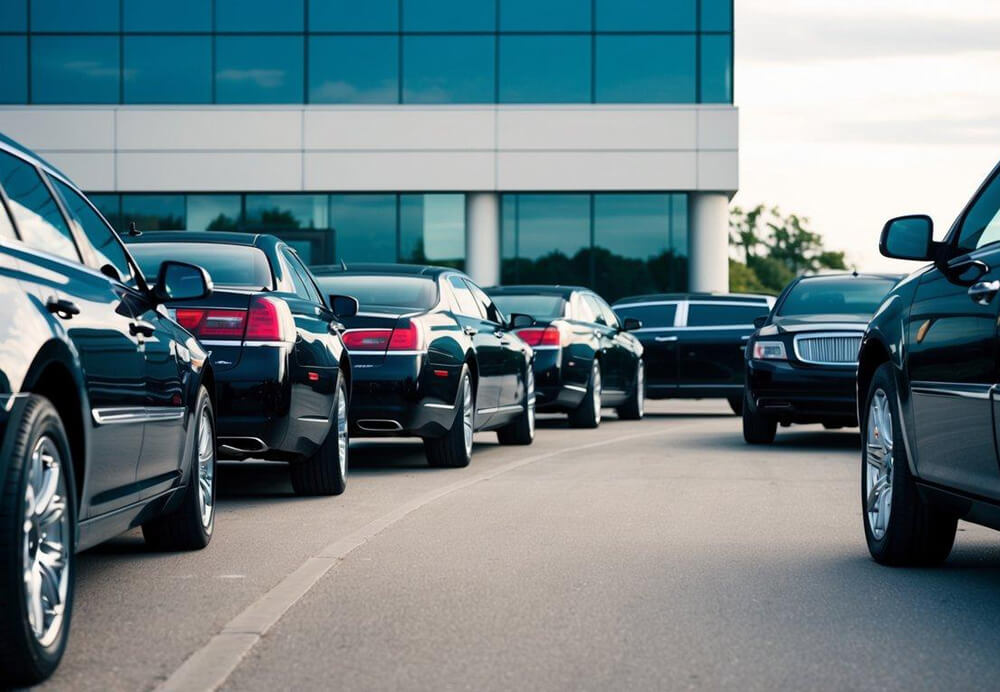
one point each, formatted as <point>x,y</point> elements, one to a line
<point>795,390</point>
<point>275,398</point>
<point>942,344</point>
<point>415,392</point>
<point>562,372</point>
<point>702,360</point>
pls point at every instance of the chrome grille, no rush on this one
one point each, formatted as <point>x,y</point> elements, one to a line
<point>833,348</point>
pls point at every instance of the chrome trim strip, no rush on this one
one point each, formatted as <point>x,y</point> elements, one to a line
<point>137,414</point>
<point>575,388</point>
<point>314,419</point>
<point>502,409</point>
<point>268,343</point>
<point>955,389</point>
<point>387,315</point>
<point>545,348</point>
<point>447,407</point>
<point>366,425</point>
<point>700,386</point>
<point>807,336</point>
<point>387,353</point>
<point>645,304</point>
<point>9,399</point>
<point>241,344</point>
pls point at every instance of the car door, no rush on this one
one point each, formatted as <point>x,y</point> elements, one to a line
<point>612,382</point>
<point>90,307</point>
<point>511,394</point>
<point>711,346</point>
<point>659,337</point>
<point>952,352</point>
<point>486,342</point>
<point>620,356</point>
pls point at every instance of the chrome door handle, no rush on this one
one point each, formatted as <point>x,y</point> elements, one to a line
<point>982,293</point>
<point>661,339</point>
<point>62,307</point>
<point>140,327</point>
<point>470,331</point>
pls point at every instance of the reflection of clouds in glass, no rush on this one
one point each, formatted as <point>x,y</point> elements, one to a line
<point>444,222</point>
<point>261,77</point>
<point>344,92</point>
<point>39,233</point>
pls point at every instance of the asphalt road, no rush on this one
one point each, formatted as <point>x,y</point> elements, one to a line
<point>661,554</point>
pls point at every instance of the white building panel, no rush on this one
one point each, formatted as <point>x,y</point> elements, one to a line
<point>209,171</point>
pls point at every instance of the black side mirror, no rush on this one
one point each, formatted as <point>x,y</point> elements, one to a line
<point>344,306</point>
<point>520,321</point>
<point>759,322</point>
<point>631,324</point>
<point>181,281</point>
<point>908,238</point>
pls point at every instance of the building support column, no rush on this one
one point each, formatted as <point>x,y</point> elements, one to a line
<point>482,237</point>
<point>708,242</point>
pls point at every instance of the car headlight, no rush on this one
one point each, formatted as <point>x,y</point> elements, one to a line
<point>769,350</point>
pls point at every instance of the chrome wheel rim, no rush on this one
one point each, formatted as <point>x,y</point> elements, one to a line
<point>206,469</point>
<point>640,388</point>
<point>596,379</point>
<point>46,542</point>
<point>467,415</point>
<point>342,446</point>
<point>878,466</point>
<point>530,389</point>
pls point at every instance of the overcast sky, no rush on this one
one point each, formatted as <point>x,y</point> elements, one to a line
<point>852,111</point>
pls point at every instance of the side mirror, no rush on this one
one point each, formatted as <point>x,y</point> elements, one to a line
<point>908,238</point>
<point>520,321</point>
<point>344,306</point>
<point>631,324</point>
<point>759,322</point>
<point>181,281</point>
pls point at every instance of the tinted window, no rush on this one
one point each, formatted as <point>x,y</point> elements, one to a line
<point>299,277</point>
<point>14,16</point>
<point>35,211</point>
<point>14,58</point>
<point>176,15</point>
<point>982,224</point>
<point>835,296</point>
<point>466,303</point>
<point>258,69</point>
<point>102,239</point>
<point>364,227</point>
<point>593,310</point>
<point>449,15</point>
<point>645,15</point>
<point>236,266</point>
<point>259,15</point>
<point>153,212</point>
<point>74,69</point>
<point>608,315</point>
<point>716,15</point>
<point>352,15</point>
<point>383,290</point>
<point>168,69</point>
<point>716,69</point>
<point>353,69</point>
<point>486,305</point>
<point>73,15</point>
<point>448,69</point>
<point>212,212</point>
<point>645,69</point>
<point>539,307</point>
<point>545,69</point>
<point>432,229</point>
<point>651,316</point>
<point>713,315</point>
<point>544,15</point>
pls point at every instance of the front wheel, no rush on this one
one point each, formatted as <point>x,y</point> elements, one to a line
<point>901,528</point>
<point>758,427</point>
<point>454,448</point>
<point>736,403</point>
<point>37,544</point>
<point>634,407</point>
<point>325,472</point>
<point>588,413</point>
<point>521,430</point>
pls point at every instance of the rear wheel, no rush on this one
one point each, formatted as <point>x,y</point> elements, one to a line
<point>190,526</point>
<point>758,427</point>
<point>901,528</point>
<point>454,448</point>
<point>37,561</point>
<point>634,407</point>
<point>521,431</point>
<point>325,472</point>
<point>588,413</point>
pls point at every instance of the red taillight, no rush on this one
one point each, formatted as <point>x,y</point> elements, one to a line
<point>405,338</point>
<point>540,337</point>
<point>213,324</point>
<point>264,321</point>
<point>367,339</point>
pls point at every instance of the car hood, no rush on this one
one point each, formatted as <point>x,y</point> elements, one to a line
<point>794,324</point>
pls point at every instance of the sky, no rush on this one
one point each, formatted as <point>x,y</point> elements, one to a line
<point>854,111</point>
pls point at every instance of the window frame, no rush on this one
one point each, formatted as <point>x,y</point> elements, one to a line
<point>954,237</point>
<point>729,325</point>
<point>458,308</point>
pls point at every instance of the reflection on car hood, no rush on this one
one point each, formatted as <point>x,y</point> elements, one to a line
<point>811,323</point>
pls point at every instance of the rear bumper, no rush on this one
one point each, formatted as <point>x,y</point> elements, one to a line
<point>796,393</point>
<point>559,386</point>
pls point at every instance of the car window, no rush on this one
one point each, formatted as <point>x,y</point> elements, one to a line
<point>594,308</point>
<point>538,306</point>
<point>6,226</point>
<point>723,315</point>
<point>467,305</point>
<point>35,211</point>
<point>383,290</point>
<point>651,316</point>
<point>307,278</point>
<point>981,226</point>
<point>485,304</point>
<point>102,239</point>
<point>582,312</point>
<point>232,266</point>
<point>831,296</point>
<point>610,318</point>
<point>303,288</point>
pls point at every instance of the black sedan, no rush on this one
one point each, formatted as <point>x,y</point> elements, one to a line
<point>585,357</point>
<point>282,372</point>
<point>434,358</point>
<point>801,361</point>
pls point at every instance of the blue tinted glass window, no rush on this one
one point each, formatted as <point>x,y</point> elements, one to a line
<point>716,15</point>
<point>353,15</point>
<point>448,69</point>
<point>39,221</point>
<point>353,69</point>
<point>645,15</point>
<point>213,212</point>
<point>432,229</point>
<point>158,15</point>
<point>153,212</point>
<point>449,15</point>
<point>544,15</point>
<point>110,207</point>
<point>645,69</point>
<point>259,15</point>
<point>716,68</point>
<point>14,15</point>
<point>258,69</point>
<point>74,15</point>
<point>546,239</point>
<point>103,241</point>
<point>364,227</point>
<point>14,58</point>
<point>74,69</point>
<point>168,69</point>
<point>545,69</point>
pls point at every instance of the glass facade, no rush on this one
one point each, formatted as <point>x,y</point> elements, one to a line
<point>376,51</point>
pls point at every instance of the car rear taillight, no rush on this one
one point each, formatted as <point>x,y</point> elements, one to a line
<point>406,338</point>
<point>224,325</point>
<point>266,320</point>
<point>540,337</point>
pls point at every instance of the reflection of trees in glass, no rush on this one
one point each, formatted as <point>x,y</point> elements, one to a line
<point>223,223</point>
<point>147,222</point>
<point>418,256</point>
<point>277,217</point>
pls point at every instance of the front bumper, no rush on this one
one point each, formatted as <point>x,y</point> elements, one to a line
<point>794,392</point>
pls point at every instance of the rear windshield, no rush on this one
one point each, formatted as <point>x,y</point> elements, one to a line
<point>234,266</point>
<point>539,307</point>
<point>384,290</point>
<point>651,316</point>
<point>847,296</point>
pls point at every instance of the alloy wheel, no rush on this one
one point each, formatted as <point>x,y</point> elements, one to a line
<point>467,415</point>
<point>878,467</point>
<point>640,388</point>
<point>596,380</point>
<point>342,442</point>
<point>45,542</point>
<point>530,393</point>
<point>206,468</point>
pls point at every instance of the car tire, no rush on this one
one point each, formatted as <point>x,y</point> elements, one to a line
<point>325,472</point>
<point>588,413</point>
<point>901,528</point>
<point>758,427</point>
<point>521,431</point>
<point>634,407</point>
<point>454,449</point>
<point>190,526</point>
<point>736,404</point>
<point>30,654</point>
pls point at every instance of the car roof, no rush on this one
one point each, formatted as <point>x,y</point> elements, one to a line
<point>851,275</point>
<point>532,290</point>
<point>694,295</point>
<point>216,237</point>
<point>389,269</point>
